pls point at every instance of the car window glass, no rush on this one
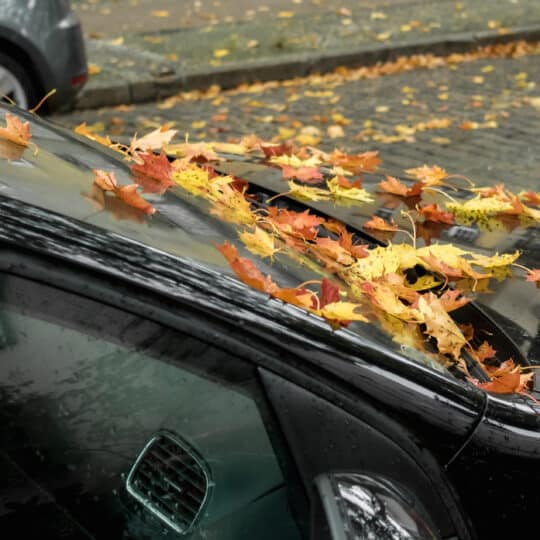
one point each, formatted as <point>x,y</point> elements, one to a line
<point>84,388</point>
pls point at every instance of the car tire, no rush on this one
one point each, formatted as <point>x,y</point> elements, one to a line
<point>16,83</point>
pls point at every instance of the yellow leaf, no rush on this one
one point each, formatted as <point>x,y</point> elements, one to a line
<point>285,14</point>
<point>160,13</point>
<point>342,311</point>
<point>353,193</point>
<point>259,242</point>
<point>220,53</point>
<point>308,193</point>
<point>93,69</point>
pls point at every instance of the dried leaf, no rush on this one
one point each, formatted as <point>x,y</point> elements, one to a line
<point>259,242</point>
<point>380,224</point>
<point>155,140</point>
<point>154,166</point>
<point>338,190</point>
<point>16,131</point>
<point>435,214</point>
<point>534,276</point>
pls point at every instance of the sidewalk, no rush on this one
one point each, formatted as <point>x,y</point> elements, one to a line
<point>144,66</point>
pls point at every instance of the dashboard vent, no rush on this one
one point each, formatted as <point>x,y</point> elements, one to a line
<point>170,481</point>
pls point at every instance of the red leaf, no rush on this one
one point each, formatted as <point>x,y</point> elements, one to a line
<point>434,213</point>
<point>154,166</point>
<point>329,293</point>
<point>301,224</point>
<point>271,150</point>
<point>530,197</point>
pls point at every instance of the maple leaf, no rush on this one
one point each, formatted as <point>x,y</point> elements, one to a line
<point>309,175</point>
<point>10,150</point>
<point>308,193</point>
<point>429,176</point>
<point>155,140</point>
<point>117,208</point>
<point>85,131</point>
<point>534,276</point>
<point>246,270</point>
<point>434,213</point>
<point>395,187</point>
<point>128,194</point>
<point>342,312</point>
<point>452,300</point>
<point>485,351</point>
<point>300,297</point>
<point>329,293</point>
<point>259,242</point>
<point>302,224</point>
<point>194,151</point>
<point>271,150</point>
<point>228,203</point>
<point>355,163</point>
<point>507,379</point>
<point>530,197</point>
<point>154,166</point>
<point>439,325</point>
<point>16,131</point>
<point>385,297</point>
<point>345,190</point>
<point>333,249</point>
<point>380,224</point>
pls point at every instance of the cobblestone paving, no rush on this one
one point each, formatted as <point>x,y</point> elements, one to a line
<point>479,119</point>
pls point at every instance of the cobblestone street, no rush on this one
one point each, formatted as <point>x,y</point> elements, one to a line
<point>478,118</point>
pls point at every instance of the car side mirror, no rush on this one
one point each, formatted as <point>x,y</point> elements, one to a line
<point>364,507</point>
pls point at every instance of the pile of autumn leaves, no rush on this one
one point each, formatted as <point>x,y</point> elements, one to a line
<point>359,284</point>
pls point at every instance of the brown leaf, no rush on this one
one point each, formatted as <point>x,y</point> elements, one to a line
<point>154,166</point>
<point>434,213</point>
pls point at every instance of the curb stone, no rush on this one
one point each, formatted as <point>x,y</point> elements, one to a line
<point>274,68</point>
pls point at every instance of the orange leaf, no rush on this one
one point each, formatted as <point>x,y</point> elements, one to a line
<point>530,197</point>
<point>379,224</point>
<point>301,224</point>
<point>277,149</point>
<point>246,270</point>
<point>309,175</point>
<point>15,130</point>
<point>105,180</point>
<point>355,163</point>
<point>429,176</point>
<point>485,351</point>
<point>507,383</point>
<point>534,276</point>
<point>434,213</point>
<point>129,195</point>
<point>299,297</point>
<point>450,301</point>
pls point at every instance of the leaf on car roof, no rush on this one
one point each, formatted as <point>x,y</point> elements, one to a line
<point>16,131</point>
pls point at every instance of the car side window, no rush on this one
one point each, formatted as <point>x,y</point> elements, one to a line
<point>113,426</point>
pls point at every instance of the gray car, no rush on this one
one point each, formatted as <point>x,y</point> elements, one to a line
<point>41,48</point>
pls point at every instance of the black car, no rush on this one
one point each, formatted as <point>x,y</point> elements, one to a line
<point>147,393</point>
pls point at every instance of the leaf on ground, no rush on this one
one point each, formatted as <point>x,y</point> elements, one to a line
<point>380,224</point>
<point>16,131</point>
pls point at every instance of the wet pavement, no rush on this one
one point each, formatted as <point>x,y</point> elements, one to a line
<point>479,118</point>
